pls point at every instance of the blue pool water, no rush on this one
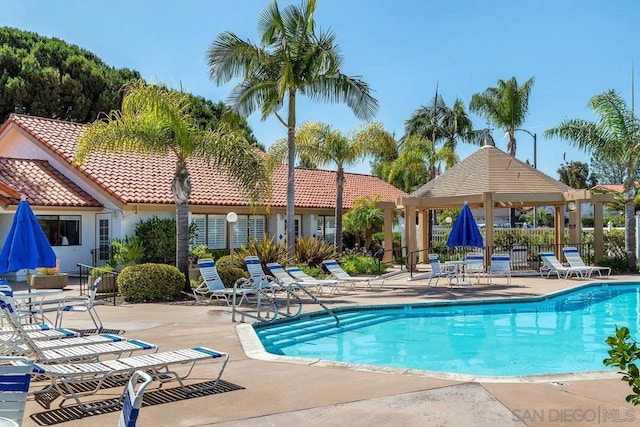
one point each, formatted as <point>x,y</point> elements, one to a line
<point>562,333</point>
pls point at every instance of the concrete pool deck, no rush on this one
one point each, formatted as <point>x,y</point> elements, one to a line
<point>259,392</point>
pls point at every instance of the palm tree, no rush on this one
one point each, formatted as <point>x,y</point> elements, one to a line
<point>438,122</point>
<point>323,145</point>
<point>615,137</point>
<point>292,58</point>
<point>364,217</point>
<point>155,120</point>
<point>505,105</point>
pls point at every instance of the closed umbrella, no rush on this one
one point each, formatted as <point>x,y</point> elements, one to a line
<point>465,230</point>
<point>26,245</point>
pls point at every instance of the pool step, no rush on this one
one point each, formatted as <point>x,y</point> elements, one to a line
<point>288,334</point>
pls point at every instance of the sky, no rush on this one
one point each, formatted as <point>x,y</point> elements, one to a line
<point>403,49</point>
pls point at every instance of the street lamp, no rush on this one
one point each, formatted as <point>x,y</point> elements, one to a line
<point>232,217</point>
<point>535,166</point>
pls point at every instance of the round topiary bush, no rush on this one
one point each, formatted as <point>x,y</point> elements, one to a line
<point>150,282</point>
<point>229,274</point>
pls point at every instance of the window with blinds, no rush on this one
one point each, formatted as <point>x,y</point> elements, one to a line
<point>212,230</point>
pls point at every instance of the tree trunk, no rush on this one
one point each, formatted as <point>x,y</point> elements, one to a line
<point>181,189</point>
<point>291,174</point>
<point>339,187</point>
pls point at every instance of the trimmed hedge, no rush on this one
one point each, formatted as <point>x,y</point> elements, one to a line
<point>150,282</point>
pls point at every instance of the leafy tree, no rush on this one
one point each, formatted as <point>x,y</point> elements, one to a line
<point>324,145</point>
<point>437,122</point>
<point>505,105</point>
<point>47,77</point>
<point>292,58</point>
<point>365,218</point>
<point>615,136</point>
<point>208,116</point>
<point>576,175</point>
<point>607,172</point>
<point>410,170</point>
<point>155,120</point>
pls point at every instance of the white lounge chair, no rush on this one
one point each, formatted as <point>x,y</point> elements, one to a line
<point>260,280</point>
<point>500,266</point>
<point>133,399</point>
<point>337,272</point>
<point>553,265</point>
<point>575,260</point>
<point>64,350</point>
<point>300,275</point>
<point>15,376</point>
<point>213,287</point>
<point>78,380</point>
<point>519,257</point>
<point>81,304</point>
<point>288,279</point>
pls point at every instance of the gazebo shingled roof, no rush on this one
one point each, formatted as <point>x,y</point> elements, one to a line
<point>490,169</point>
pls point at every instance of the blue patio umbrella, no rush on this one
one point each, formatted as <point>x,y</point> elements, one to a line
<point>26,245</point>
<point>465,230</point>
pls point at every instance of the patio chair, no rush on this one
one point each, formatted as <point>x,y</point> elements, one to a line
<point>212,285</point>
<point>78,380</point>
<point>40,332</point>
<point>285,279</point>
<point>438,271</point>
<point>300,275</point>
<point>575,260</point>
<point>553,265</point>
<point>519,257</point>
<point>15,376</point>
<point>81,304</point>
<point>133,399</point>
<point>336,271</point>
<point>474,265</point>
<point>259,279</point>
<point>500,266</point>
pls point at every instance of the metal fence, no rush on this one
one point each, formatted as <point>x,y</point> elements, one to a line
<point>523,257</point>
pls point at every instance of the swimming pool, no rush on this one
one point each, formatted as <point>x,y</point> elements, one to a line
<point>560,333</point>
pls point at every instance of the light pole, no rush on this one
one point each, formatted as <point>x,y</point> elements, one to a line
<point>535,166</point>
<point>232,217</point>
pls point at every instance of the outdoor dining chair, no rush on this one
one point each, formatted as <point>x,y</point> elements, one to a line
<point>15,376</point>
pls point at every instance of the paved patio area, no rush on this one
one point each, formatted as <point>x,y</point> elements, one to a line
<point>265,393</point>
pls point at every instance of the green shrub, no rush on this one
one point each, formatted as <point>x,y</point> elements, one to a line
<point>315,272</point>
<point>311,251</point>
<point>158,237</point>
<point>150,282</point>
<point>225,261</point>
<point>357,265</point>
<point>230,274</point>
<point>267,250</point>
<point>127,251</point>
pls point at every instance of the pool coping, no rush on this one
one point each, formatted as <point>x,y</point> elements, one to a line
<point>253,348</point>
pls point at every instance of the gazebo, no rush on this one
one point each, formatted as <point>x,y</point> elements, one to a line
<point>491,178</point>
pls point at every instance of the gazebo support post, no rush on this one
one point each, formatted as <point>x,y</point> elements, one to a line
<point>410,233</point>
<point>488,228</point>
<point>575,225</point>
<point>424,228</point>
<point>598,233</point>
<point>387,211</point>
<point>558,228</point>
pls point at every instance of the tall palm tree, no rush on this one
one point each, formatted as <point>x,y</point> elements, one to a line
<point>614,136</point>
<point>155,120</point>
<point>437,122</point>
<point>323,145</point>
<point>505,105</point>
<point>292,58</point>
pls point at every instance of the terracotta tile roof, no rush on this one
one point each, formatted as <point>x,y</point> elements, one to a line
<point>134,178</point>
<point>490,169</point>
<point>316,188</point>
<point>41,183</point>
<point>612,188</point>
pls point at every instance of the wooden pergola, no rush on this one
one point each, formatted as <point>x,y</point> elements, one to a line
<point>491,178</point>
